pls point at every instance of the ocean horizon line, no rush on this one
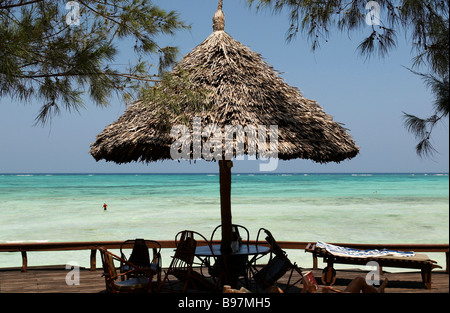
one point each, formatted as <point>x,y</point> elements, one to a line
<point>216,173</point>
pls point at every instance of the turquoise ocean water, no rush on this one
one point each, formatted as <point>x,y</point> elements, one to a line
<point>357,208</point>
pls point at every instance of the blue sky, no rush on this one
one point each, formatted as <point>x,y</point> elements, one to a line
<point>367,96</point>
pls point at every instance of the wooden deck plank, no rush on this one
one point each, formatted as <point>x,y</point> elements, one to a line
<point>53,280</point>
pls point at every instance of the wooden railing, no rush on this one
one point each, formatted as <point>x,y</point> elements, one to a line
<point>94,245</point>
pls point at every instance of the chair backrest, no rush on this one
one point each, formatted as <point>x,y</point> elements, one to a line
<point>239,230</point>
<point>185,247</point>
<point>108,263</point>
<point>274,247</point>
<point>109,270</point>
<point>274,270</point>
<point>183,260</point>
<point>278,265</point>
<point>140,255</point>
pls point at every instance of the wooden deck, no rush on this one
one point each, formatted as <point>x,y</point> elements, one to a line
<point>53,280</point>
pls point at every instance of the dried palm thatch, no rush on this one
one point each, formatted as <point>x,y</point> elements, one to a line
<point>225,83</point>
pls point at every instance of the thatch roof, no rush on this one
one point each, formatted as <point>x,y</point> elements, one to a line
<point>238,88</point>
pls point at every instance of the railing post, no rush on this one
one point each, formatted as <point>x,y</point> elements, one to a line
<point>315,266</point>
<point>446,266</point>
<point>93,260</point>
<point>24,261</point>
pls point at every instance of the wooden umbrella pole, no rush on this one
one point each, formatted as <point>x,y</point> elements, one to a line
<point>225,204</point>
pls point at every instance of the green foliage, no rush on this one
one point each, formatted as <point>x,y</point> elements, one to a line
<point>175,97</point>
<point>423,127</point>
<point>42,56</point>
<point>426,22</point>
<point>421,19</point>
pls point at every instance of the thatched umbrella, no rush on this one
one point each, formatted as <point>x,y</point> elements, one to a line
<point>225,83</point>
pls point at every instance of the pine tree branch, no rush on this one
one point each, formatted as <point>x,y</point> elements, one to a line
<point>68,74</point>
<point>99,13</point>
<point>10,6</point>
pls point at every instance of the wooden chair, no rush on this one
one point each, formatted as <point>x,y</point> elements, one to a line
<point>239,262</point>
<point>277,266</point>
<point>237,230</point>
<point>181,266</point>
<point>141,281</point>
<point>140,256</point>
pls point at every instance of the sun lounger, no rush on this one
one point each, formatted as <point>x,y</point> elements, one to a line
<point>332,254</point>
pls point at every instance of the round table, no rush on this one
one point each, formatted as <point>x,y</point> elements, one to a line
<point>240,256</point>
<point>204,251</point>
